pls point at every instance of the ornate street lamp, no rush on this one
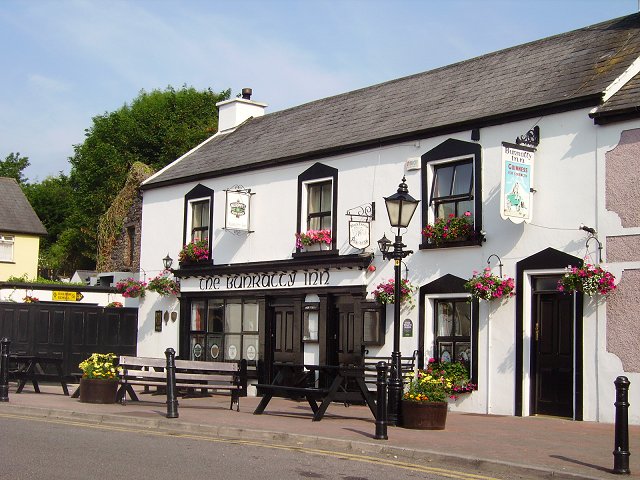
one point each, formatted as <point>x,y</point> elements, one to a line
<point>167,262</point>
<point>400,206</point>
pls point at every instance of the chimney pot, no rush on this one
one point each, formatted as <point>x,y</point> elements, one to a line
<point>246,93</point>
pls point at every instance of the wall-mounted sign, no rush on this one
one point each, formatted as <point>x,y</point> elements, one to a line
<point>359,234</point>
<point>158,319</point>
<point>407,328</point>
<point>59,296</point>
<point>516,192</point>
<point>238,209</point>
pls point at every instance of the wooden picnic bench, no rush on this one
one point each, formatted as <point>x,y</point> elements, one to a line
<point>191,376</point>
<point>33,369</point>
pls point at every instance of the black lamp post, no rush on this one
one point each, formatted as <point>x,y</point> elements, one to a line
<point>400,207</point>
<point>167,262</point>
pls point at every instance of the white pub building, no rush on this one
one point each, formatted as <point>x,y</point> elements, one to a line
<point>537,147</point>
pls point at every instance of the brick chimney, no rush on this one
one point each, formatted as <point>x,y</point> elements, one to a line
<point>232,113</point>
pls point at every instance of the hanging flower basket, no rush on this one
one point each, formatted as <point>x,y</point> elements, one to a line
<point>590,279</point>
<point>131,288</point>
<point>385,292</point>
<point>163,285</point>
<point>195,251</point>
<point>486,286</point>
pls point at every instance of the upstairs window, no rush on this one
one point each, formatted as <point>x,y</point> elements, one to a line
<point>451,180</point>
<point>198,215</point>
<point>6,248</point>
<point>319,204</point>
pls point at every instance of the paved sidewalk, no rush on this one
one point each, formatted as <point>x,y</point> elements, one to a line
<point>518,447</point>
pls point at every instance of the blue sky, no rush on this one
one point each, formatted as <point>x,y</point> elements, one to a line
<point>65,61</point>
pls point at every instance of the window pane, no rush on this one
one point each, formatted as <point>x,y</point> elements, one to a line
<point>233,317</point>
<point>250,317</point>
<point>444,319</point>
<point>463,319</point>
<point>216,316</point>
<point>250,348</point>
<point>310,326</point>
<point>442,183</point>
<point>371,332</point>
<point>197,315</point>
<point>465,206</point>
<point>315,195</point>
<point>445,351</point>
<point>315,223</point>
<point>443,210</point>
<point>197,347</point>
<point>326,197</point>
<point>462,180</point>
<point>232,347</point>
<point>463,352</point>
<point>215,348</point>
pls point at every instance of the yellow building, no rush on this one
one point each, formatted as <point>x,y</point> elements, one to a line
<point>20,232</point>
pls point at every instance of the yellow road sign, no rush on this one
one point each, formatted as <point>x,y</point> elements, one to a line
<point>59,296</point>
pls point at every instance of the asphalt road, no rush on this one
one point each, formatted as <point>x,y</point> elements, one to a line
<point>59,449</point>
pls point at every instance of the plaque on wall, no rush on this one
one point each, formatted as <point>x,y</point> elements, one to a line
<point>407,328</point>
<point>158,319</point>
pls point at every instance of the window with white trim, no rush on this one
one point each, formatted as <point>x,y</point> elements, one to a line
<point>452,188</point>
<point>317,200</point>
<point>6,248</point>
<point>198,216</point>
<point>199,225</point>
<point>319,205</point>
<point>452,330</point>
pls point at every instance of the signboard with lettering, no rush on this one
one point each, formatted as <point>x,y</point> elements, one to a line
<point>274,280</point>
<point>60,296</point>
<point>407,328</point>
<point>359,236</point>
<point>238,210</point>
<point>516,195</point>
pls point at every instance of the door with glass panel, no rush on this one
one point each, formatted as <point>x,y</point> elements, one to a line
<point>224,330</point>
<point>453,330</point>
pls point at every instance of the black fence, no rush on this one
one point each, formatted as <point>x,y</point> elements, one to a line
<point>68,331</point>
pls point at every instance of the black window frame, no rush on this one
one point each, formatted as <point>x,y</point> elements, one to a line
<point>452,152</point>
<point>453,338</point>
<point>322,213</point>
<point>198,193</point>
<point>451,198</point>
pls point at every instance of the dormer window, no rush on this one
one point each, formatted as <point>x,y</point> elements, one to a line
<point>200,219</point>
<point>198,215</point>
<point>319,205</point>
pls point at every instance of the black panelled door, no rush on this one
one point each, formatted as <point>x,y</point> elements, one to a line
<point>552,354</point>
<point>287,336</point>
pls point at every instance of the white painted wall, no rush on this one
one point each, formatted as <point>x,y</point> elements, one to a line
<point>569,184</point>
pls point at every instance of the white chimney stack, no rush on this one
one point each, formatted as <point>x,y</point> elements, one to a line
<point>232,113</point>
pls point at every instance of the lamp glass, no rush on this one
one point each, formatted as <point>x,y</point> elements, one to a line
<point>400,208</point>
<point>384,243</point>
<point>167,261</point>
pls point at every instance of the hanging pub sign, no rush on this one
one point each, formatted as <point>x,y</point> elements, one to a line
<point>238,209</point>
<point>359,234</point>
<point>516,192</point>
<point>359,225</point>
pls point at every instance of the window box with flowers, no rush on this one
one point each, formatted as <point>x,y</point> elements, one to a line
<point>385,292</point>
<point>194,252</point>
<point>425,401</point>
<point>314,240</point>
<point>486,286</point>
<point>590,279</point>
<point>131,288</point>
<point>451,232</point>
<point>163,285</point>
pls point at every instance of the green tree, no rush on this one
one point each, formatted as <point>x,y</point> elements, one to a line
<point>13,167</point>
<point>155,129</point>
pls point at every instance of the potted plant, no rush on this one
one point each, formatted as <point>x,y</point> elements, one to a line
<point>195,251</point>
<point>450,229</point>
<point>385,292</point>
<point>314,240</point>
<point>424,404</point>
<point>131,288</point>
<point>114,305</point>
<point>163,285</point>
<point>486,286</point>
<point>99,382</point>
<point>30,299</point>
<point>590,279</point>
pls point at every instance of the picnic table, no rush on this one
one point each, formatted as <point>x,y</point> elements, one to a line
<point>33,368</point>
<point>339,377</point>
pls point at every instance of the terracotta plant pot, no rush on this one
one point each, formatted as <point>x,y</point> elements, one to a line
<point>424,415</point>
<point>96,390</point>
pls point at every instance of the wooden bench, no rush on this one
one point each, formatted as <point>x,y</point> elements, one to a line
<point>407,367</point>
<point>215,377</point>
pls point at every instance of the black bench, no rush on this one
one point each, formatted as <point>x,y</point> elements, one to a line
<point>407,368</point>
<point>33,369</point>
<point>207,377</point>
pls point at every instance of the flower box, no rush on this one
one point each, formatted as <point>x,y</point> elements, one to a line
<point>314,240</point>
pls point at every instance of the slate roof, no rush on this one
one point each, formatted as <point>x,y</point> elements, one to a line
<point>562,72</point>
<point>626,100</point>
<point>16,213</point>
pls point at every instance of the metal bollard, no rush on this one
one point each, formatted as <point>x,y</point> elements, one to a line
<point>621,448</point>
<point>381,401</point>
<point>172,399</point>
<point>4,369</point>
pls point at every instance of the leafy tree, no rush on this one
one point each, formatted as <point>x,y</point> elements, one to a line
<point>155,129</point>
<point>13,166</point>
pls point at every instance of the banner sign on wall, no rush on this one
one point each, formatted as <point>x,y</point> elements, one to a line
<point>238,209</point>
<point>516,196</point>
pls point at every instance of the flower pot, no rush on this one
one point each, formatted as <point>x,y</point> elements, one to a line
<point>97,390</point>
<point>424,415</point>
<point>316,247</point>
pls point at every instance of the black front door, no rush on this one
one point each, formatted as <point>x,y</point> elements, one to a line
<point>552,352</point>
<point>287,339</point>
<point>349,340</point>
